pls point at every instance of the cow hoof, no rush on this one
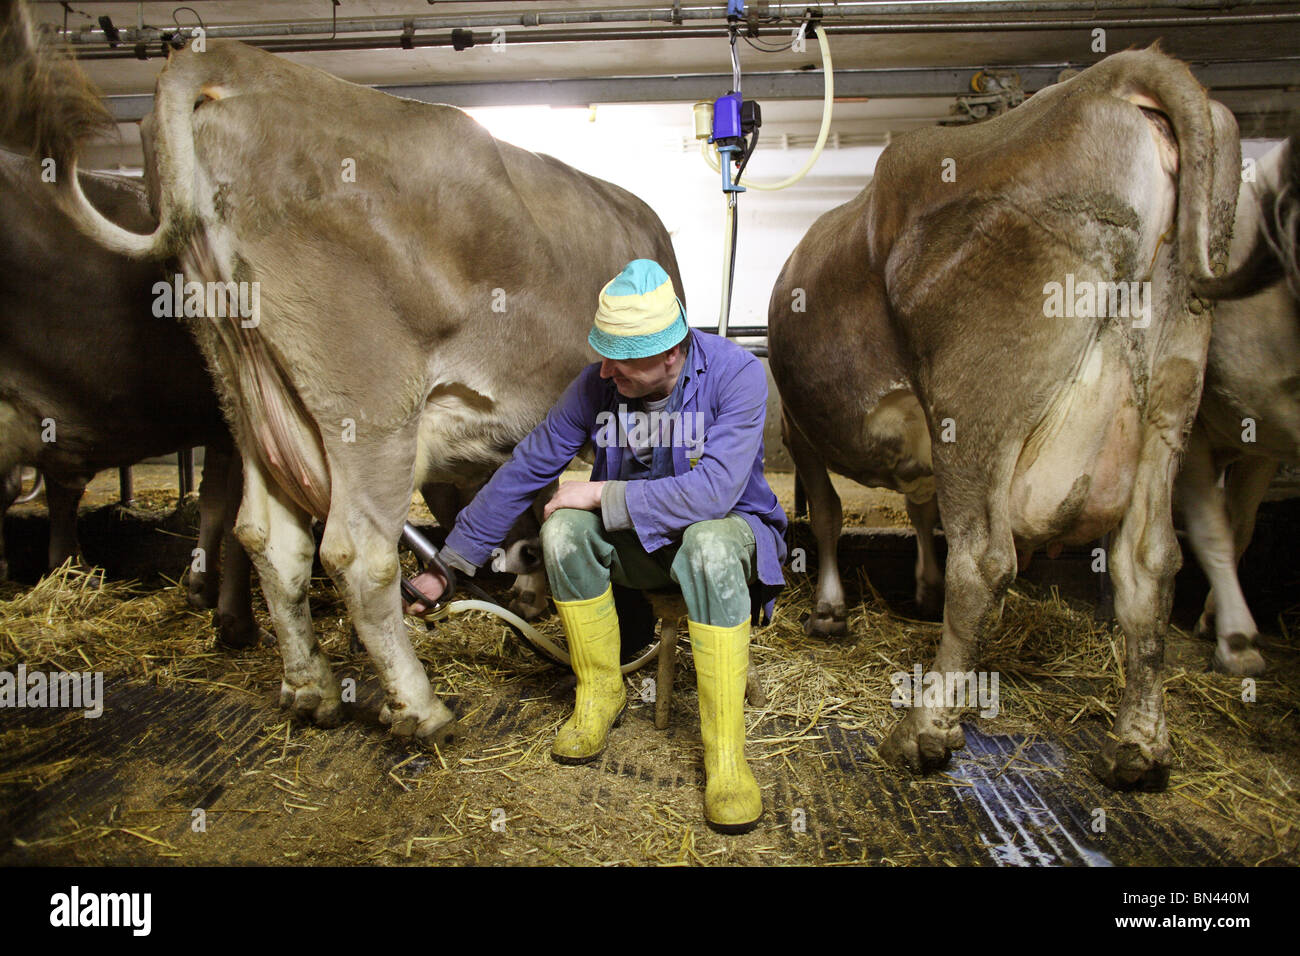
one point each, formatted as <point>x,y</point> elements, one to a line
<point>827,621</point>
<point>201,595</point>
<point>923,750</point>
<point>1236,655</point>
<point>1204,630</point>
<point>526,605</point>
<point>237,634</point>
<point>929,600</point>
<point>435,729</point>
<point>310,702</point>
<point>1131,765</point>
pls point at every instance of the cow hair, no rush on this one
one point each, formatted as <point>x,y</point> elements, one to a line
<point>48,106</point>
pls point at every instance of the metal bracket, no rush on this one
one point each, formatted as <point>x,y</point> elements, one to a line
<point>996,92</point>
<point>408,35</point>
<point>462,39</point>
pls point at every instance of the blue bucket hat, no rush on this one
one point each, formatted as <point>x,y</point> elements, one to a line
<point>639,314</point>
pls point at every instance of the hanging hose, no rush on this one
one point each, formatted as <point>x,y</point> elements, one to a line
<point>427,555</point>
<point>828,101</point>
<point>728,263</point>
<point>544,646</point>
<point>729,241</point>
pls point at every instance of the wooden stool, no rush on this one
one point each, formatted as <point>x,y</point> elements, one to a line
<point>670,607</point>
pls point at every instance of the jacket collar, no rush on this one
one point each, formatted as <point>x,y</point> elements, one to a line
<point>697,362</point>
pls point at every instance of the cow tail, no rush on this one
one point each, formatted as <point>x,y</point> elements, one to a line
<point>1275,247</point>
<point>1201,194</point>
<point>48,106</point>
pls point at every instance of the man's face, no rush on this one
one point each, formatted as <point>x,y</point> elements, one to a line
<point>652,377</point>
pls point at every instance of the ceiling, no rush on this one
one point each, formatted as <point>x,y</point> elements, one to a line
<point>896,64</point>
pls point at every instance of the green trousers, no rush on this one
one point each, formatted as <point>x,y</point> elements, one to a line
<point>713,565</point>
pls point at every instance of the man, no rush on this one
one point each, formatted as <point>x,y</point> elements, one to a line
<point>677,497</point>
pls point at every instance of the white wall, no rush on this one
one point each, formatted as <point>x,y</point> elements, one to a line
<point>639,148</point>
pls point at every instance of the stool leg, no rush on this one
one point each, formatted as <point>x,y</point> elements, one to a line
<point>667,669</point>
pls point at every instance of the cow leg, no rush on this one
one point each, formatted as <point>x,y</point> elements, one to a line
<point>359,549</point>
<point>1205,512</point>
<point>829,617</point>
<point>236,626</point>
<point>1247,482</point>
<point>277,535</point>
<point>529,593</point>
<point>924,516</point>
<point>61,499</point>
<point>204,586</point>
<point>981,565</point>
<point>1144,558</point>
<point>11,485</point>
<point>443,501</point>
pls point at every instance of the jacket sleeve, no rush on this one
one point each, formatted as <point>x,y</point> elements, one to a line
<point>662,508</point>
<point>537,461</point>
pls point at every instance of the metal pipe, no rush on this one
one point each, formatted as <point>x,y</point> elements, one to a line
<point>1219,75</point>
<point>125,487</point>
<point>792,12</point>
<point>659,33</point>
<point>185,471</point>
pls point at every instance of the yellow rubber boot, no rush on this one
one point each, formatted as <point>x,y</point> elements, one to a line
<point>592,629</point>
<point>732,802</point>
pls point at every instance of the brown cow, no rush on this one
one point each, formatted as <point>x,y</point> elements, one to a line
<point>963,283</point>
<point>90,379</point>
<point>1249,420</point>
<point>425,292</point>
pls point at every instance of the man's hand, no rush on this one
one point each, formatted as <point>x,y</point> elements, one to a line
<point>429,583</point>
<point>583,495</point>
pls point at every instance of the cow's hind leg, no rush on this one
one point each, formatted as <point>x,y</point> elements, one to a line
<point>359,549</point>
<point>1246,484</point>
<point>529,593</point>
<point>981,565</point>
<point>277,535</point>
<point>829,616</point>
<point>924,516</point>
<point>1144,558</point>
<point>236,626</point>
<point>1205,513</point>
<point>204,587</point>
<point>62,497</point>
<point>11,485</point>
